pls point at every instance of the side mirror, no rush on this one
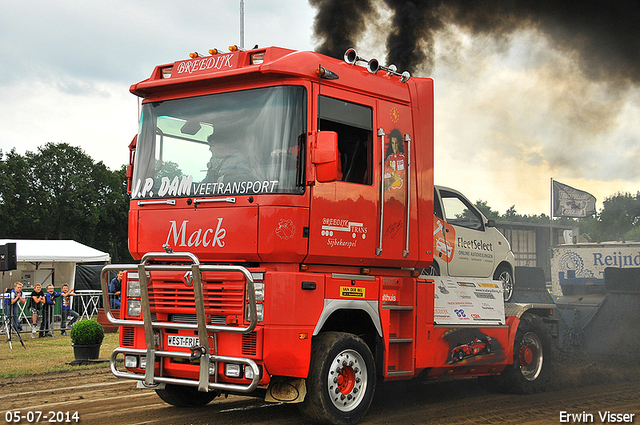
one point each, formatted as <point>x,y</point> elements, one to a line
<point>132,157</point>
<point>326,157</point>
<point>491,223</point>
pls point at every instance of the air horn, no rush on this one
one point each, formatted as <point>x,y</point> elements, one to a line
<point>373,66</point>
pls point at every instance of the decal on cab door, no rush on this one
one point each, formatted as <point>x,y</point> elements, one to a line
<point>442,248</point>
<point>344,233</point>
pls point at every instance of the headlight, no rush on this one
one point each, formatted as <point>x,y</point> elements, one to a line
<point>259,312</point>
<point>248,372</point>
<point>258,285</point>
<point>232,370</point>
<point>133,288</point>
<point>259,290</point>
<point>134,308</point>
<point>131,361</point>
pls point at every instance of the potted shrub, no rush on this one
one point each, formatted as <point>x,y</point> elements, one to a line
<point>86,338</point>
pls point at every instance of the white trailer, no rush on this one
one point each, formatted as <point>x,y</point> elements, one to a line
<point>579,268</point>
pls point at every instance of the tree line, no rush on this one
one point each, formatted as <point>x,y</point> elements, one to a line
<point>618,220</point>
<point>59,192</point>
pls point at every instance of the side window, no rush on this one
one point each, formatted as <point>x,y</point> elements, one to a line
<point>458,212</point>
<point>354,125</point>
<point>437,210</point>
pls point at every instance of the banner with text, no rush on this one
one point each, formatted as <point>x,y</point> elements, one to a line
<point>570,202</point>
<point>468,302</point>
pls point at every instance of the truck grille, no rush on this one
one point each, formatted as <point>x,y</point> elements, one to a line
<point>249,344</point>
<point>223,295</point>
<point>183,318</point>
<point>128,336</point>
<point>192,318</point>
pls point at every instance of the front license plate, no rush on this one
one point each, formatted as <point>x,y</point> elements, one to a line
<point>182,341</point>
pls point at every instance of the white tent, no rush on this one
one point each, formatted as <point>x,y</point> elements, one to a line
<point>48,261</point>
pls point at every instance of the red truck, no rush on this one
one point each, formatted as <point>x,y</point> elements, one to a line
<point>282,207</point>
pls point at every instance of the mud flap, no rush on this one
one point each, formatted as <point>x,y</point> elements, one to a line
<point>286,390</point>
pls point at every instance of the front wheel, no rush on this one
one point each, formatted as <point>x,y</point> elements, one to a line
<point>531,366</point>
<point>181,396</point>
<point>503,274</point>
<point>341,379</point>
<point>432,270</point>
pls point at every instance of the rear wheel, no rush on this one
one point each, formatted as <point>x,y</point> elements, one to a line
<point>181,396</point>
<point>341,379</point>
<point>531,366</point>
<point>503,274</point>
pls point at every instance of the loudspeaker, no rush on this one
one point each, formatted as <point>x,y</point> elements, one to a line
<point>9,260</point>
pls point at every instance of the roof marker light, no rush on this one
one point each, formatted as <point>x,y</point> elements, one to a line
<point>323,72</point>
<point>166,72</point>
<point>213,52</point>
<point>257,58</point>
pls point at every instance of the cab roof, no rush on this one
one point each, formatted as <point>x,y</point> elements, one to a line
<point>218,70</point>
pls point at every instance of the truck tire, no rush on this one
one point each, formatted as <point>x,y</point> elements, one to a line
<point>532,358</point>
<point>181,396</point>
<point>341,380</point>
<point>503,273</point>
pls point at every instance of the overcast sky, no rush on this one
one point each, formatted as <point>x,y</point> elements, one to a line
<point>508,117</point>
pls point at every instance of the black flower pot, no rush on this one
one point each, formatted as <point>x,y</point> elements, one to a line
<point>86,352</point>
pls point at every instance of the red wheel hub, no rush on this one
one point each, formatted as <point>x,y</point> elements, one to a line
<point>525,355</point>
<point>346,380</point>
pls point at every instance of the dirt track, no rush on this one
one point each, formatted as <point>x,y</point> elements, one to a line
<point>100,398</point>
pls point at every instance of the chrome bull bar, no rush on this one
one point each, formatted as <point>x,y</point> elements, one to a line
<point>187,382</point>
<point>195,268</point>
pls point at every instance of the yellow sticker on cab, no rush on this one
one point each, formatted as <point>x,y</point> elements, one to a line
<point>351,292</point>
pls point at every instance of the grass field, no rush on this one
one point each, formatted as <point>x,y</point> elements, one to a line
<point>45,355</point>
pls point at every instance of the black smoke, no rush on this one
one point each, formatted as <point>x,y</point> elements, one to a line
<point>604,34</point>
<point>339,23</point>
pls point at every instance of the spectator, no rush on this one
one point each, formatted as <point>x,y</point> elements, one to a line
<point>47,310</point>
<point>114,291</point>
<point>66,309</point>
<point>17,297</point>
<point>35,307</point>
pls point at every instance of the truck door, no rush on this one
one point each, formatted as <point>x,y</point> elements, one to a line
<point>362,219</point>
<point>472,252</point>
<point>343,214</point>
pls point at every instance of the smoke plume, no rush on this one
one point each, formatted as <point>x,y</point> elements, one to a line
<point>339,23</point>
<point>545,88</point>
<point>604,34</point>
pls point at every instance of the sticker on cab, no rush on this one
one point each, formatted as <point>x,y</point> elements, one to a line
<point>351,292</point>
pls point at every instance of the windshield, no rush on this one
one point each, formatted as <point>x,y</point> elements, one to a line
<point>239,143</point>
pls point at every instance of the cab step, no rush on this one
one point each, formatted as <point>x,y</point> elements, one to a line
<point>399,340</point>
<point>399,372</point>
